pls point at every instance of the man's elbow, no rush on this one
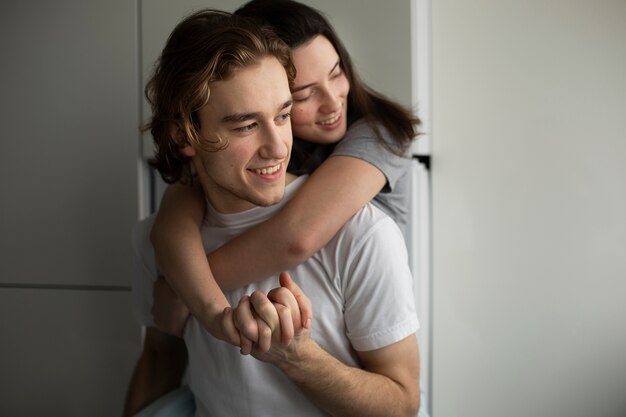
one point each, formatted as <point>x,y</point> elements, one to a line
<point>413,405</point>
<point>411,401</point>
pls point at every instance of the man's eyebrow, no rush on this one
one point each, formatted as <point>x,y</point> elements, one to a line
<point>303,87</point>
<point>286,104</point>
<point>242,117</point>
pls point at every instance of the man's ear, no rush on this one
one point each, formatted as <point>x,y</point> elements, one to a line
<point>177,136</point>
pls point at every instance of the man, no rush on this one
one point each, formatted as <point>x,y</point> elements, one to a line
<point>221,94</point>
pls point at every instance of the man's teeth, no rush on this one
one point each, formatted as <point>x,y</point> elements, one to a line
<point>266,171</point>
<point>330,121</point>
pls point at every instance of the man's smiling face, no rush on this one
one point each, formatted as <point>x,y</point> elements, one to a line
<point>250,112</point>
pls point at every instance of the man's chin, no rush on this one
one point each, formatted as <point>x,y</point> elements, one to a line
<point>267,202</point>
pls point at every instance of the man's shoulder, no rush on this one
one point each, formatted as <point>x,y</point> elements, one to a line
<point>368,215</point>
<point>369,224</point>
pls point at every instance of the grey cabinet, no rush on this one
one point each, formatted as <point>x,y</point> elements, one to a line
<point>69,117</point>
<point>65,352</point>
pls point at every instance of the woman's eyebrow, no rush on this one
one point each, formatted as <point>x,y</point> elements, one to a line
<point>335,66</point>
<point>302,87</point>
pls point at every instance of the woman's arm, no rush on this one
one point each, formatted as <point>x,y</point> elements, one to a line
<point>337,189</point>
<point>181,258</point>
<point>333,193</point>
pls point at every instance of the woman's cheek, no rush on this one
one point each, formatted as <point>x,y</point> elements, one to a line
<point>299,116</point>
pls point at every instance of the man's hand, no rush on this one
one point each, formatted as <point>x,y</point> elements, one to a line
<point>274,319</point>
<point>256,321</point>
<point>289,294</point>
<point>168,310</point>
<point>303,304</point>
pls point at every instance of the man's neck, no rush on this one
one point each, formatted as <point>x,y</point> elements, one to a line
<point>241,205</point>
<point>289,178</point>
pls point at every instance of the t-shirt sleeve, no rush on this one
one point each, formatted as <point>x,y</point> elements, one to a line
<point>361,142</point>
<point>146,272</point>
<point>378,287</point>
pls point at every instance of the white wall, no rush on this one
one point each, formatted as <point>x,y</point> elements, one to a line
<point>529,165</point>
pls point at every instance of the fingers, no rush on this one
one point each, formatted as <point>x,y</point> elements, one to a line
<point>245,346</point>
<point>260,319</point>
<point>304,304</point>
<point>245,321</point>
<point>231,333</point>
<point>277,314</point>
<point>285,304</point>
<point>286,324</point>
<point>265,310</point>
<point>254,328</point>
<point>265,336</point>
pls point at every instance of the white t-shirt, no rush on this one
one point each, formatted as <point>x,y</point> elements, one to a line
<point>360,287</point>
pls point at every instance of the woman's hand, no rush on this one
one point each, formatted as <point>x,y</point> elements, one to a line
<point>275,318</point>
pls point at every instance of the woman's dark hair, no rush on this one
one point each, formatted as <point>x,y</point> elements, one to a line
<point>296,24</point>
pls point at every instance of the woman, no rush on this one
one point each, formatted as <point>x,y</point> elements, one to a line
<point>353,142</point>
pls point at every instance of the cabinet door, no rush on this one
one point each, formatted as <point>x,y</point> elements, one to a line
<point>70,134</point>
<point>65,352</point>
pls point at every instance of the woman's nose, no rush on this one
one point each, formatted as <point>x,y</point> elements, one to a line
<point>331,101</point>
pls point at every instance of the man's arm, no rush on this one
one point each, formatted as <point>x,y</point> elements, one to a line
<point>387,385</point>
<point>159,370</point>
<point>169,312</point>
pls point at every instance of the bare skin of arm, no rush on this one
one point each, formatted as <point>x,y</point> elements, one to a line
<point>331,195</point>
<point>159,370</point>
<point>388,384</point>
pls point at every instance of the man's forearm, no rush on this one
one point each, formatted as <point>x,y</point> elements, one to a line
<point>158,371</point>
<point>342,390</point>
<point>144,388</point>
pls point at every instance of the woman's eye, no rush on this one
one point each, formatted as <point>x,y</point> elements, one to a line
<point>300,99</point>
<point>246,128</point>
<point>304,95</point>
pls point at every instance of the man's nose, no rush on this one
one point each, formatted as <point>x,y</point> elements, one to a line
<point>275,141</point>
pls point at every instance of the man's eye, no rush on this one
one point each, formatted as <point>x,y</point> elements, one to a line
<point>246,128</point>
<point>284,117</point>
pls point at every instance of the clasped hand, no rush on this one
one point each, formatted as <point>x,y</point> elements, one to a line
<point>261,320</point>
<point>257,323</point>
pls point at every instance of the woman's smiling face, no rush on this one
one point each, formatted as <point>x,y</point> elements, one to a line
<point>320,95</point>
